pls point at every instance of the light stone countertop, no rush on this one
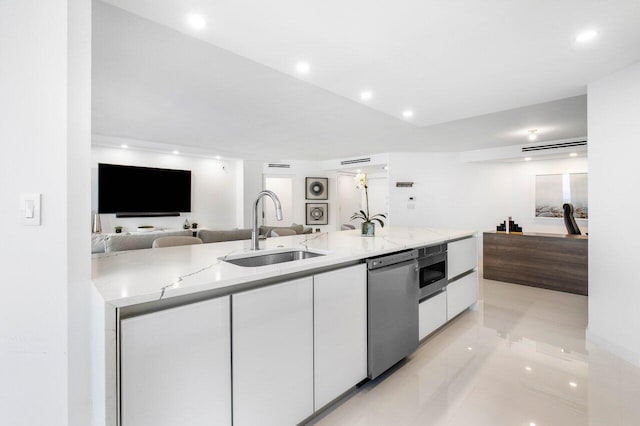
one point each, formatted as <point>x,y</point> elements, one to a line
<point>132,277</point>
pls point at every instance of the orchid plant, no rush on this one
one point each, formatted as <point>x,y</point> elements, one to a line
<point>365,216</point>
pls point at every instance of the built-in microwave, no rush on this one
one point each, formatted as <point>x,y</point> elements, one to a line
<point>433,270</point>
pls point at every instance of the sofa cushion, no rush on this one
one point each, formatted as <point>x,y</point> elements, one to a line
<point>282,232</point>
<point>209,236</point>
<point>266,230</point>
<point>122,242</point>
<point>97,243</point>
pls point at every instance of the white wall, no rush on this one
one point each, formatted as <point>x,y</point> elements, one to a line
<point>522,201</point>
<point>252,185</point>
<point>44,129</point>
<point>214,191</point>
<point>450,193</point>
<point>298,171</point>
<point>614,247</point>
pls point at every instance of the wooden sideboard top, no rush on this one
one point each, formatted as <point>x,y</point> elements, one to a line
<point>539,234</point>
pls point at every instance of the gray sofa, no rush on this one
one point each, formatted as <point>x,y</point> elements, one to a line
<point>101,243</point>
<point>211,236</point>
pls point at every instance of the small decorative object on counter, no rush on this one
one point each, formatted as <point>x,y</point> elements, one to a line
<point>514,228</point>
<point>194,225</point>
<point>502,227</point>
<point>118,229</point>
<point>368,221</point>
<point>317,230</point>
<point>186,224</point>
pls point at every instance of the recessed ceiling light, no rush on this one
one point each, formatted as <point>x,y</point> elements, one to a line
<point>527,368</point>
<point>386,167</point>
<point>527,158</point>
<point>532,424</point>
<point>176,152</point>
<point>573,384</point>
<point>218,157</point>
<point>358,171</point>
<point>366,95</point>
<point>407,113</point>
<point>533,134</point>
<point>573,154</point>
<point>586,36</point>
<point>469,348</point>
<point>197,21</point>
<point>303,67</point>
<point>124,146</point>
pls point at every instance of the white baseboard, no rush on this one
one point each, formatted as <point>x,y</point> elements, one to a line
<point>614,348</point>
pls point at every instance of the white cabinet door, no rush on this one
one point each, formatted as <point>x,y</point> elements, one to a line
<point>432,313</point>
<point>461,294</point>
<point>340,331</point>
<point>273,354</point>
<point>176,366</point>
<point>462,256</point>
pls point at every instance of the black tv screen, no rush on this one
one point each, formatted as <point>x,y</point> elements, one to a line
<point>139,190</point>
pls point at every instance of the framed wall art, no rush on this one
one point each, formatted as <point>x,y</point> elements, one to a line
<point>552,191</point>
<point>317,188</point>
<point>317,213</point>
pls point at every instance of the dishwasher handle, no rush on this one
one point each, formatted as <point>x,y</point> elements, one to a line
<point>411,265</point>
<point>391,260</point>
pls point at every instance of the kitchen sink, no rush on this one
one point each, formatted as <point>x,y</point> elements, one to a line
<point>253,259</point>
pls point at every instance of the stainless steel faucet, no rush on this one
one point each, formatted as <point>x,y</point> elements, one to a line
<point>255,244</point>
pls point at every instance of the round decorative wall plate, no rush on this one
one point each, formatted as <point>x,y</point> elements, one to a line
<point>317,188</point>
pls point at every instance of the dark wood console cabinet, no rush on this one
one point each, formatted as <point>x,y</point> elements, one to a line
<point>552,261</point>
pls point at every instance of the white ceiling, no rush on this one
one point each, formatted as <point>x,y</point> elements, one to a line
<point>153,83</point>
<point>444,59</point>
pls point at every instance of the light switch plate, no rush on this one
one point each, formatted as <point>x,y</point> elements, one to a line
<point>30,204</point>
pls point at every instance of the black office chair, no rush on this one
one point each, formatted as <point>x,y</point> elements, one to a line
<point>569,220</point>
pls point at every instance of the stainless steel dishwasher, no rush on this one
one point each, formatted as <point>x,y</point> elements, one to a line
<point>392,303</point>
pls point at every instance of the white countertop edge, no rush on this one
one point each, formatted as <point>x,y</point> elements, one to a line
<point>134,277</point>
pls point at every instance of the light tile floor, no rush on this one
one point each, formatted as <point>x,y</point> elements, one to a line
<point>519,359</point>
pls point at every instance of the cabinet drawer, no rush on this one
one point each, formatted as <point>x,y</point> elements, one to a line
<point>462,256</point>
<point>461,294</point>
<point>432,313</point>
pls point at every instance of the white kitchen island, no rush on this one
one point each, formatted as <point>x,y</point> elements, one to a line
<point>193,339</point>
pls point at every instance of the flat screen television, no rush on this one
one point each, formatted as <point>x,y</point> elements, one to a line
<point>143,191</point>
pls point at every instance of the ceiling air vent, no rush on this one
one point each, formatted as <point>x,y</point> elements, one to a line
<point>554,146</point>
<point>355,161</point>
<point>278,166</point>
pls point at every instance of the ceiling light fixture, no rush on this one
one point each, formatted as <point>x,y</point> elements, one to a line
<point>386,167</point>
<point>527,368</point>
<point>469,348</point>
<point>197,21</point>
<point>527,158</point>
<point>218,157</point>
<point>573,154</point>
<point>407,113</point>
<point>303,67</point>
<point>533,134</point>
<point>176,152</point>
<point>586,36</point>
<point>123,146</point>
<point>573,384</point>
<point>366,95</point>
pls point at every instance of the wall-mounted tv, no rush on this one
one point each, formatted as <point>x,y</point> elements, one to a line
<point>143,191</point>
